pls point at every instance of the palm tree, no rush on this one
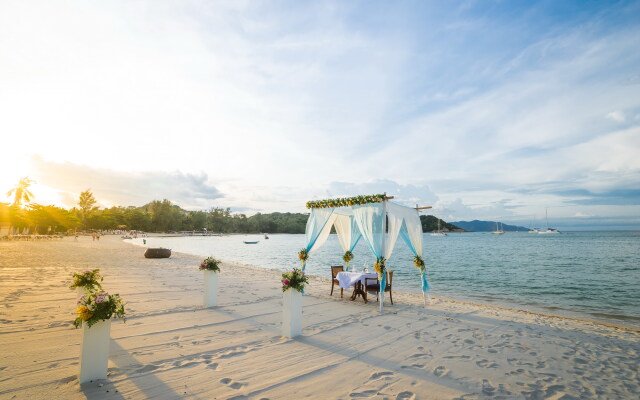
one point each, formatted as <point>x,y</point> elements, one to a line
<point>21,191</point>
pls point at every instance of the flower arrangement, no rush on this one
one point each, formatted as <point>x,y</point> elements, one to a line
<point>98,307</point>
<point>347,257</point>
<point>418,262</point>
<point>380,265</point>
<point>210,264</point>
<point>89,279</point>
<point>303,256</point>
<point>296,279</point>
<point>346,201</point>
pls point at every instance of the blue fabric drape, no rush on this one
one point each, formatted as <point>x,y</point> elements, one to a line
<point>404,234</point>
<point>315,224</point>
<point>370,221</point>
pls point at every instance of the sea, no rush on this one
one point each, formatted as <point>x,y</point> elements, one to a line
<point>593,275</point>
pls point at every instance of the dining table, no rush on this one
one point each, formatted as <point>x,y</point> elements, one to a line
<point>346,279</point>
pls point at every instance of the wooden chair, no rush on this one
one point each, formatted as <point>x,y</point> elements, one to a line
<point>374,286</point>
<point>334,273</point>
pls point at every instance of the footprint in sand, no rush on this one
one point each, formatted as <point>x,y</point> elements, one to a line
<point>146,368</point>
<point>231,383</point>
<point>366,393</point>
<point>213,366</point>
<point>440,370</point>
<point>405,396</point>
<point>378,375</point>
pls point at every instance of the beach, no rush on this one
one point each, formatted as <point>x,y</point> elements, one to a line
<point>172,347</point>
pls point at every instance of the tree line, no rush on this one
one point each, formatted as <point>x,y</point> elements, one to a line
<point>23,215</point>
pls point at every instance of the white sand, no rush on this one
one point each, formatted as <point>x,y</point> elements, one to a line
<point>171,347</point>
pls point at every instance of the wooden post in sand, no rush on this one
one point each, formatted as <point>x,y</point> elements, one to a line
<point>291,313</point>
<point>210,288</point>
<point>94,351</point>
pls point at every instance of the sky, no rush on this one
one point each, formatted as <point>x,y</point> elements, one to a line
<point>491,110</point>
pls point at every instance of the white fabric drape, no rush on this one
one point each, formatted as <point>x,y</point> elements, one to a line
<point>370,221</point>
<point>412,228</point>
<point>348,232</point>
<point>316,225</point>
<point>324,234</point>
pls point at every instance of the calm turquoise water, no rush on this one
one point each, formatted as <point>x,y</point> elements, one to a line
<point>587,274</point>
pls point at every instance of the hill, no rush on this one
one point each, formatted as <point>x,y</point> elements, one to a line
<point>430,224</point>
<point>487,226</point>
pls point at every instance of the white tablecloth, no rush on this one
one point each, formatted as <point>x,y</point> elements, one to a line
<point>348,279</point>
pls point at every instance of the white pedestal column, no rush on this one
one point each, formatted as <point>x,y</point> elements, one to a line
<point>94,351</point>
<point>291,313</point>
<point>210,288</point>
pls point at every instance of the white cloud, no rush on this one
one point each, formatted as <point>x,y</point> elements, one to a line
<point>617,116</point>
<point>117,188</point>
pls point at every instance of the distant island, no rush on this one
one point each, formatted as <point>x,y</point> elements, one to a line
<point>487,226</point>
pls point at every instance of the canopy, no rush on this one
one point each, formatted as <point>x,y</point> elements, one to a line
<point>355,218</point>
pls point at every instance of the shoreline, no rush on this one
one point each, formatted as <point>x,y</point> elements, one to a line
<point>498,304</point>
<point>172,347</point>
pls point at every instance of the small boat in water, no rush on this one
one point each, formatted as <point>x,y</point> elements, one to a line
<point>248,242</point>
<point>157,252</point>
<point>266,236</point>
<point>438,232</point>
<point>498,230</point>
<point>548,231</point>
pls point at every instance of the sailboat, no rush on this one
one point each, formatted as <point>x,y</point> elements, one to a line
<point>531,228</point>
<point>498,230</point>
<point>438,232</point>
<point>549,230</point>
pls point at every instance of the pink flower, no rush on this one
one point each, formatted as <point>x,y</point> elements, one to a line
<point>285,282</point>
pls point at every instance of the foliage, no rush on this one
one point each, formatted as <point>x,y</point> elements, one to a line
<point>303,255</point>
<point>21,191</point>
<point>347,257</point>
<point>210,264</point>
<point>430,224</point>
<point>346,201</point>
<point>98,307</point>
<point>296,279</point>
<point>89,279</point>
<point>380,265</point>
<point>419,263</point>
<point>86,204</point>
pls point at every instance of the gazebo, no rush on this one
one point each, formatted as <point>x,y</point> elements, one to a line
<point>375,219</point>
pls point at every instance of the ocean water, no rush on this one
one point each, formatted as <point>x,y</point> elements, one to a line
<point>586,274</point>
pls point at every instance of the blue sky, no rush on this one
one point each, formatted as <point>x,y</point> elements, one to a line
<point>483,109</point>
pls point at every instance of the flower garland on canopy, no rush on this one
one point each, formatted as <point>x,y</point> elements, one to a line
<point>380,265</point>
<point>346,201</point>
<point>347,257</point>
<point>303,256</point>
<point>419,263</point>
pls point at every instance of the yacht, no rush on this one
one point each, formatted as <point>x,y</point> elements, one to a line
<point>438,232</point>
<point>548,231</point>
<point>498,230</point>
